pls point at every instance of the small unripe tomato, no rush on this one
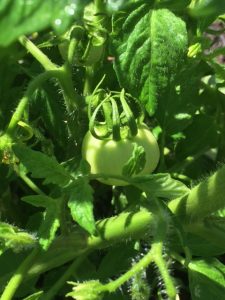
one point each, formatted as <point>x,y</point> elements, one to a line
<point>108,157</point>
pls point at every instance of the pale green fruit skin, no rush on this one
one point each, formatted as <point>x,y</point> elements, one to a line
<point>108,156</point>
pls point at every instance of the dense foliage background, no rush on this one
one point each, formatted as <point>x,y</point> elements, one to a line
<point>162,235</point>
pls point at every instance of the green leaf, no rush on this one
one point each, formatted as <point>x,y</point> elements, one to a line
<point>42,166</point>
<point>179,105</point>
<point>208,239</point>
<point>149,48</point>
<point>206,279</point>
<point>51,217</point>
<point>81,204</point>
<point>12,237</point>
<point>136,162</point>
<point>206,12</point>
<point>8,73</point>
<point>201,135</point>
<point>205,8</point>
<point>116,261</point>
<point>174,4</point>
<point>160,185</point>
<point>25,17</point>
<point>46,103</point>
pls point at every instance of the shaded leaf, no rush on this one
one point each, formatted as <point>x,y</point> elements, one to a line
<point>51,217</point>
<point>42,166</point>
<point>81,204</point>
<point>46,103</point>
<point>117,260</point>
<point>201,135</point>
<point>160,185</point>
<point>136,162</point>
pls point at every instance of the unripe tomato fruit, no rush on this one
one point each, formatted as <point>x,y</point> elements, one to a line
<point>108,156</point>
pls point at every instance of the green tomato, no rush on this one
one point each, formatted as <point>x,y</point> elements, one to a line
<point>108,156</point>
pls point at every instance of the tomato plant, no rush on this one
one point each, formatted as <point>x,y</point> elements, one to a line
<point>112,149</point>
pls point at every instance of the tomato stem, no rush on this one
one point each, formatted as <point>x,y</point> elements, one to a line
<point>63,74</point>
<point>157,252</point>
<point>28,181</point>
<point>136,268</point>
<point>203,199</point>
<point>38,54</point>
<point>19,275</point>
<point>17,115</point>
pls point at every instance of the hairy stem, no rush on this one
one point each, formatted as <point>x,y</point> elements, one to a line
<point>72,100</point>
<point>203,199</point>
<point>112,230</point>
<point>133,225</point>
<point>38,54</point>
<point>18,114</point>
<point>63,74</point>
<point>138,267</point>
<point>157,251</point>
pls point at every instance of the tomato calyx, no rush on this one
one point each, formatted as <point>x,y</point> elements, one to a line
<point>110,115</point>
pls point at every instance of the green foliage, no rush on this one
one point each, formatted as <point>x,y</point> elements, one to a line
<point>51,217</point>
<point>14,238</point>
<point>21,17</point>
<point>109,66</point>
<point>200,136</point>
<point>42,166</point>
<point>81,204</point>
<point>160,185</point>
<point>151,42</point>
<point>206,278</point>
<point>136,163</point>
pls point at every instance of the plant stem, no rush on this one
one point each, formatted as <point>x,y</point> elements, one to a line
<point>157,251</point>
<point>19,275</point>
<point>178,258</point>
<point>59,283</point>
<point>30,183</point>
<point>63,74</point>
<point>88,83</point>
<point>142,264</point>
<point>203,199</point>
<point>34,84</point>
<point>71,50</point>
<point>72,100</point>
<point>65,248</point>
<point>161,166</point>
<point>38,54</point>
